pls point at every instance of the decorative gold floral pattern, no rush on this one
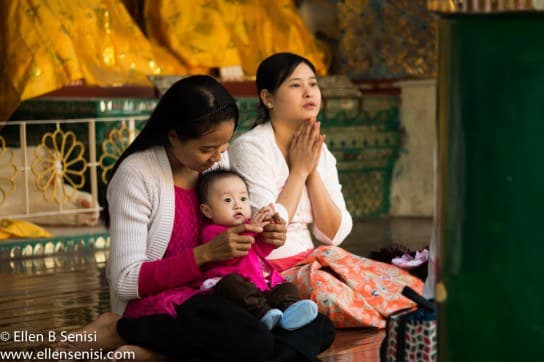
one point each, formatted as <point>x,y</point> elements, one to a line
<point>386,39</point>
<point>7,178</point>
<point>59,165</point>
<point>117,142</point>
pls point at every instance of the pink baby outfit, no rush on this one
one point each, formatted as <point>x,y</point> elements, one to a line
<point>164,286</point>
<point>253,266</point>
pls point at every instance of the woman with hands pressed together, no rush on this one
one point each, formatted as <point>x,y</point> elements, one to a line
<point>156,253</point>
<point>285,161</point>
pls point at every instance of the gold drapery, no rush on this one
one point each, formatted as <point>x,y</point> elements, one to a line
<point>47,44</point>
<point>219,33</point>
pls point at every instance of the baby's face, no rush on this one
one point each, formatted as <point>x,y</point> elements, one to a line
<point>228,201</point>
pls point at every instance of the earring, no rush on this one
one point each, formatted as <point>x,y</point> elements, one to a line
<point>269,104</point>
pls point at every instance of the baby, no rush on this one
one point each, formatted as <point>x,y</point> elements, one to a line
<point>249,280</point>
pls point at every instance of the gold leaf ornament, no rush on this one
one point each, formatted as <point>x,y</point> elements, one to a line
<point>59,165</point>
<point>7,177</point>
<point>112,148</point>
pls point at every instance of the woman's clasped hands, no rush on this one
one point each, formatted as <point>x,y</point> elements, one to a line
<point>305,148</point>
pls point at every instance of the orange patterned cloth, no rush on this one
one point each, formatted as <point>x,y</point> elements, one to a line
<point>352,291</point>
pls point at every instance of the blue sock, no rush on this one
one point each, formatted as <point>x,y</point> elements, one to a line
<point>298,315</point>
<point>271,318</point>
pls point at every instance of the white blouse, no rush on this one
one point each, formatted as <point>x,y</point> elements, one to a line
<point>256,156</point>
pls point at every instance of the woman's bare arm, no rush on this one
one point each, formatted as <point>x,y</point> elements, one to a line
<point>326,215</point>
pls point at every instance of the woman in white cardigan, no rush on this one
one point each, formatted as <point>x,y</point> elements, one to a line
<point>285,161</point>
<point>156,253</point>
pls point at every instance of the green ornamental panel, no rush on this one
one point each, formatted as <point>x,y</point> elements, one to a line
<point>491,84</point>
<point>67,108</point>
<point>66,244</point>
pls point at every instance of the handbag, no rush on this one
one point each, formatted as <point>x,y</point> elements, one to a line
<point>411,334</point>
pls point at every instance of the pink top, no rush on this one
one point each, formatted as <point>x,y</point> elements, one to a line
<point>163,286</point>
<point>253,266</point>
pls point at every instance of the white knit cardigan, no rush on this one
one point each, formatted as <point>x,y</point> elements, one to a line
<point>142,206</point>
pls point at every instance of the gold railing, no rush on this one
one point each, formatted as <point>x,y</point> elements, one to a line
<point>54,170</point>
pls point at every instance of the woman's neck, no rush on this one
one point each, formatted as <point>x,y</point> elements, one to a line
<point>283,132</point>
<point>183,176</point>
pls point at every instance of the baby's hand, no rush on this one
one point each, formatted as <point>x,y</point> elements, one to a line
<point>263,216</point>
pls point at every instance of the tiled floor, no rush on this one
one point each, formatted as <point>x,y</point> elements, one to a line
<point>50,295</point>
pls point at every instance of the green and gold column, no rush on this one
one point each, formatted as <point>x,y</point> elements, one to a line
<point>491,180</point>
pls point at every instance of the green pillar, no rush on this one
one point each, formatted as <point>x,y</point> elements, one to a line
<point>491,182</point>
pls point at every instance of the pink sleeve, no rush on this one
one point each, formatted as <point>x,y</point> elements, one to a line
<point>264,247</point>
<point>175,271</point>
<point>210,231</point>
<point>157,276</point>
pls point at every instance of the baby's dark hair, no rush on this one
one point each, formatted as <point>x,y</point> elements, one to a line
<point>207,179</point>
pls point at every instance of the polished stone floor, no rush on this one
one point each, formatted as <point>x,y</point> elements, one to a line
<point>42,297</point>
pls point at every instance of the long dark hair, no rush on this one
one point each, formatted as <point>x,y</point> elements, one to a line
<point>271,73</point>
<point>192,107</point>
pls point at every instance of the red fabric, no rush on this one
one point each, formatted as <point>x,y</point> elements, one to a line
<point>167,283</point>
<point>286,263</point>
<point>252,266</point>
